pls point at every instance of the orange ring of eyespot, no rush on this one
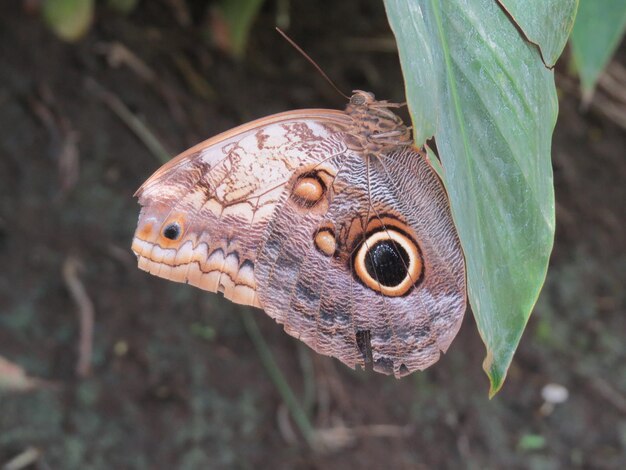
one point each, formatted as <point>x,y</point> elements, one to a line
<point>325,242</point>
<point>414,268</point>
<point>308,190</point>
<point>166,241</point>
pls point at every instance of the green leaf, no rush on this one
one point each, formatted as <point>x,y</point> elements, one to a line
<point>531,442</point>
<point>434,161</point>
<point>69,19</point>
<point>123,6</point>
<point>238,17</point>
<point>599,28</point>
<point>409,26</point>
<point>494,109</point>
<point>544,23</point>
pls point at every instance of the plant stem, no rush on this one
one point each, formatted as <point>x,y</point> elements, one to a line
<point>267,358</point>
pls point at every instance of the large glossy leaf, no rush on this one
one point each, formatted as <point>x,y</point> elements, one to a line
<point>545,23</point>
<point>600,25</point>
<point>411,32</point>
<point>493,105</point>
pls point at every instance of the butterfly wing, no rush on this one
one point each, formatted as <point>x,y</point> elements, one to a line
<point>371,270</point>
<point>205,212</point>
<point>357,256</point>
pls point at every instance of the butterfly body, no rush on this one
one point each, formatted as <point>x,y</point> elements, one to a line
<point>330,221</point>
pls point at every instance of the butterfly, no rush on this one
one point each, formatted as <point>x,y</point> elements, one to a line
<point>330,221</point>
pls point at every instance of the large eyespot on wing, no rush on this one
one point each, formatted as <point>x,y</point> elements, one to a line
<point>378,275</point>
<point>389,261</point>
<point>204,213</point>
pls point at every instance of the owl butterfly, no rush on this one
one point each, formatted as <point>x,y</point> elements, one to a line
<point>330,221</point>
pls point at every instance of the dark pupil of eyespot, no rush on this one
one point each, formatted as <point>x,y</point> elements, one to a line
<point>387,262</point>
<point>171,231</point>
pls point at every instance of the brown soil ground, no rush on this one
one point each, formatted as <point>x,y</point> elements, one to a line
<point>176,380</point>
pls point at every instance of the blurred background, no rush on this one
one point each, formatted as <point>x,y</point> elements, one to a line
<point>104,366</point>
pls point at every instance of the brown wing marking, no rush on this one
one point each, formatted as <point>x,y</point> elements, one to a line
<point>222,193</point>
<point>322,299</point>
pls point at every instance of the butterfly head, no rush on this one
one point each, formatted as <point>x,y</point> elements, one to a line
<point>362,98</point>
<point>376,127</point>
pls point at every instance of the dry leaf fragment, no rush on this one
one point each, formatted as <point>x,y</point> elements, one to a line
<point>14,379</point>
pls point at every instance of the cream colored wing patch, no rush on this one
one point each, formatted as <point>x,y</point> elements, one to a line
<point>204,214</point>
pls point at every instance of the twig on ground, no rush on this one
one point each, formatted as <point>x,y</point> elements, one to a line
<point>122,255</point>
<point>613,80</point>
<point>117,54</point>
<point>29,457</point>
<point>340,437</point>
<point>604,390</point>
<point>63,137</point>
<point>14,379</point>
<point>45,115</point>
<point>181,12</point>
<point>336,388</point>
<point>69,158</point>
<point>308,378</point>
<point>284,425</point>
<point>115,104</point>
<point>194,79</point>
<point>86,315</point>
<point>285,391</point>
<point>323,415</point>
<point>609,98</point>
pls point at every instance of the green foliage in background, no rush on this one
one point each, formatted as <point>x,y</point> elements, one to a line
<point>599,28</point>
<point>546,24</point>
<point>238,17</point>
<point>122,6</point>
<point>485,93</point>
<point>478,77</point>
<point>69,19</point>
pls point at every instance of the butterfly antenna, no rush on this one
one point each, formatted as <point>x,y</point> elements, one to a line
<point>306,56</point>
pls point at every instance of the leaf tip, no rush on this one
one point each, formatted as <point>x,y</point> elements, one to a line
<point>495,374</point>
